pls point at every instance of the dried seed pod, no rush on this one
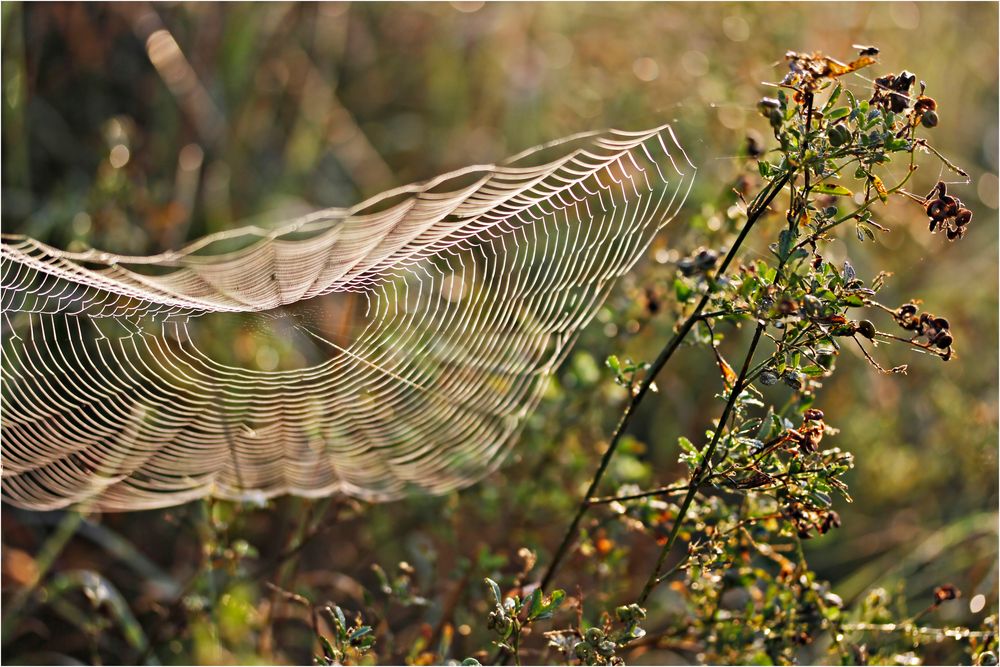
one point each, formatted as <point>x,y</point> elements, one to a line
<point>652,301</point>
<point>940,189</point>
<point>935,210</point>
<point>950,206</point>
<point>813,414</point>
<point>866,329</point>
<point>705,259</point>
<point>893,91</point>
<point>768,378</point>
<point>963,217</point>
<point>788,307</point>
<point>925,104</point>
<point>904,81</point>
<point>793,379</point>
<point>831,520</point>
<point>755,145</point>
<point>929,118</point>
<point>945,592</point>
<point>810,443</point>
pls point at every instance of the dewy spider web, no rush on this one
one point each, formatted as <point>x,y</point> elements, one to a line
<point>460,297</point>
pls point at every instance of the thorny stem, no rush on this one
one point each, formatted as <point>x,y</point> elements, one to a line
<point>698,477</point>
<point>654,369</point>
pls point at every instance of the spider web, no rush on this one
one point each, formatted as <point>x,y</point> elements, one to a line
<point>406,338</point>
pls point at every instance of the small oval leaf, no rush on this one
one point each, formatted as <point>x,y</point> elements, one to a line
<point>831,189</point>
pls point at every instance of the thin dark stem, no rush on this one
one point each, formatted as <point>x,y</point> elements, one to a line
<point>699,475</point>
<point>308,534</point>
<point>654,369</point>
<point>803,206</point>
<point>805,154</point>
<point>660,491</point>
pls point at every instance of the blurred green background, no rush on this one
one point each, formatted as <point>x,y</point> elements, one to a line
<point>135,127</point>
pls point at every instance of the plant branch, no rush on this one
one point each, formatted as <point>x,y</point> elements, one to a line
<point>699,475</point>
<point>767,196</point>
<point>659,491</point>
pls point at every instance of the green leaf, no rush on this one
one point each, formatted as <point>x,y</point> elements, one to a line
<point>535,603</point>
<point>495,589</point>
<point>834,96</point>
<point>852,99</point>
<point>821,499</point>
<point>338,614</point>
<point>831,189</point>
<point>557,598</point>
<point>893,144</point>
<point>682,290</point>
<point>687,445</point>
<point>838,113</point>
<point>613,363</point>
<point>362,638</point>
<point>328,650</point>
<point>785,241</point>
<point>853,300</point>
<point>542,607</point>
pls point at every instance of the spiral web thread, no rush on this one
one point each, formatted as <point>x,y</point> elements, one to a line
<point>472,288</point>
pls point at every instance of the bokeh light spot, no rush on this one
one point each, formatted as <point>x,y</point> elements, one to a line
<point>191,157</point>
<point>988,189</point>
<point>646,69</point>
<point>468,7</point>
<point>119,156</point>
<point>736,28</point>
<point>906,15</point>
<point>695,63</point>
